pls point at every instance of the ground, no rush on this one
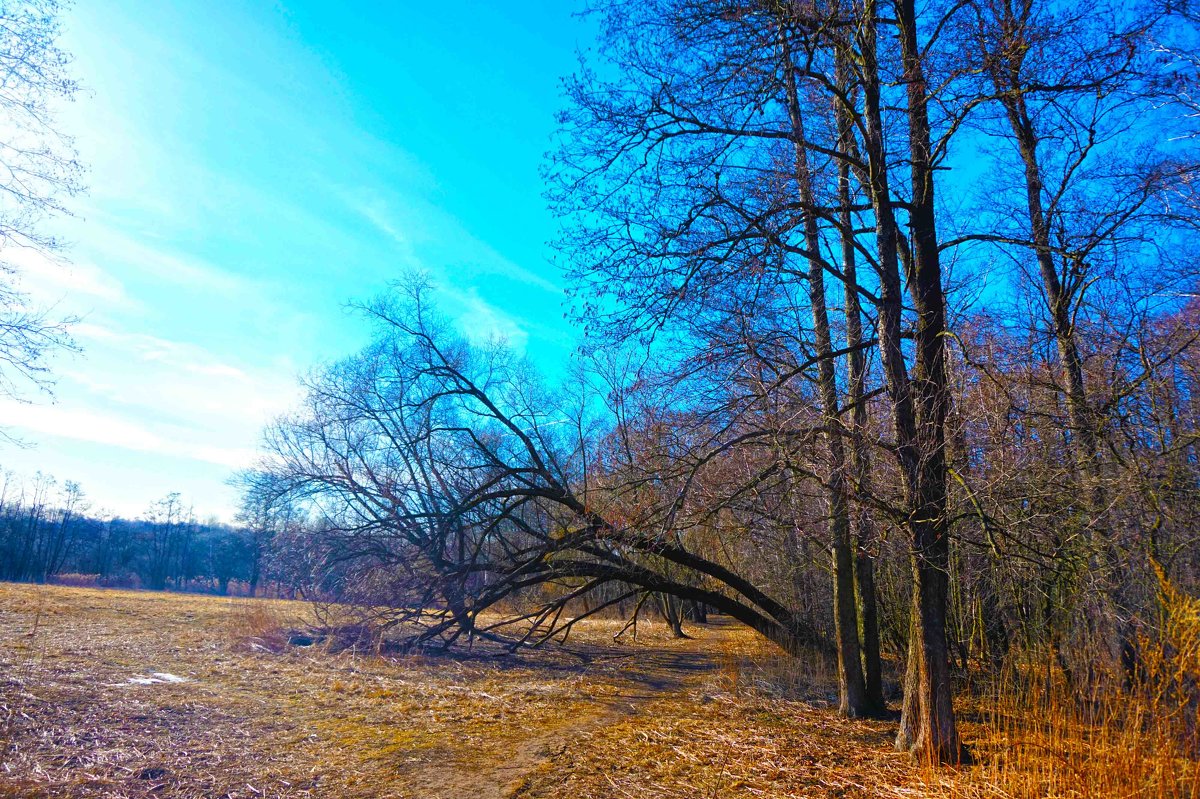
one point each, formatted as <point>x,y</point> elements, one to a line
<point>253,716</point>
<point>141,694</point>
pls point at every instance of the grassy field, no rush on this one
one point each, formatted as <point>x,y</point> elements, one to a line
<point>256,717</point>
<point>140,694</point>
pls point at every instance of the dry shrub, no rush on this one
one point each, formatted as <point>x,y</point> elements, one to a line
<point>1171,669</point>
<point>359,628</point>
<point>124,579</point>
<point>359,637</point>
<point>1139,738</point>
<point>811,677</point>
<point>75,580</point>
<point>749,666</point>
<point>258,625</point>
<point>238,588</point>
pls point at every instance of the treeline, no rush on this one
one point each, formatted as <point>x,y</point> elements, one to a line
<point>47,534</point>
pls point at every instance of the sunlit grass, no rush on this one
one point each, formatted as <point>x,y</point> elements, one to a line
<point>722,714</point>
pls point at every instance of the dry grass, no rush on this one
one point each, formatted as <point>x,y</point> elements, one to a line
<point>1035,738</point>
<point>759,724</point>
<point>1040,741</point>
<point>255,717</point>
<point>720,715</point>
<point>722,745</point>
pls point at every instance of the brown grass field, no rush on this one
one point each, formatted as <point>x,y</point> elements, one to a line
<point>717,715</point>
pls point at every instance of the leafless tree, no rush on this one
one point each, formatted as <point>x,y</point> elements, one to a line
<point>39,170</point>
<point>447,481</point>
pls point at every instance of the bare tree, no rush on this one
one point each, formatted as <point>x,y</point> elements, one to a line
<point>765,228</point>
<point>692,137</point>
<point>39,170</point>
<point>446,481</point>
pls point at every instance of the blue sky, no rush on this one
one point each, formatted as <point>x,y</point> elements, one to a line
<point>254,166</point>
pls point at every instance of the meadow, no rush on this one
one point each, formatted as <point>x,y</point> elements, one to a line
<point>108,693</point>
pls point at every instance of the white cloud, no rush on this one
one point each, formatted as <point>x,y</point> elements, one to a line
<point>425,232</point>
<point>186,383</point>
<point>50,280</point>
<point>481,321</point>
<point>376,213</point>
<point>168,267</point>
<point>144,394</point>
<point>109,429</point>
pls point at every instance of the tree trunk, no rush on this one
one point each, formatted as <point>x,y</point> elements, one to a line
<point>906,736</point>
<point>671,608</point>
<point>936,735</point>
<point>852,696</point>
<point>864,526</point>
<point>868,621</point>
<point>1107,637</point>
<point>255,568</point>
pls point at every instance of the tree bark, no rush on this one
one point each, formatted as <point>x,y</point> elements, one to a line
<point>864,525</point>
<point>936,736</point>
<point>852,695</point>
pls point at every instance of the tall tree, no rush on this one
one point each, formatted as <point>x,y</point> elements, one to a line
<point>927,725</point>
<point>689,138</point>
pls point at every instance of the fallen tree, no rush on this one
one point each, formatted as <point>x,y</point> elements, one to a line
<point>445,482</point>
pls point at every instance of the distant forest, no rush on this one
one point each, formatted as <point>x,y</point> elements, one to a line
<point>48,534</point>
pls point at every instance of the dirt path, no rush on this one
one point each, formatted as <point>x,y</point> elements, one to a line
<point>654,674</point>
<point>506,779</point>
<point>644,675</point>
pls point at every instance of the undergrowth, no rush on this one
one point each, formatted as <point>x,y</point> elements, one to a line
<point>1137,736</point>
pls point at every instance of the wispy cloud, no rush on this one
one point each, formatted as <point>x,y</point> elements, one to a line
<point>176,409</point>
<point>81,424</point>
<point>376,213</point>
<point>430,235</point>
<point>481,321</point>
<point>50,280</point>
<point>157,379</point>
<point>163,265</point>
<point>164,415</point>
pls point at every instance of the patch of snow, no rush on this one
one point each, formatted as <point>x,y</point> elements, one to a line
<point>156,678</point>
<point>168,677</point>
